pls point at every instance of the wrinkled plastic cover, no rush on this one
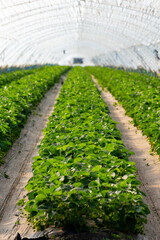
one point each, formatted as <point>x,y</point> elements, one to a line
<point>104,32</point>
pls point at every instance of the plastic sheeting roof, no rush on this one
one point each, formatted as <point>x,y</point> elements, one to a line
<point>113,32</point>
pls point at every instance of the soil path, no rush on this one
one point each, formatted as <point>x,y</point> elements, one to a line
<point>17,170</point>
<point>148,165</point>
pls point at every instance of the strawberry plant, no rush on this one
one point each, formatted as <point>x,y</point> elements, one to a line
<point>139,94</point>
<point>18,98</point>
<point>82,171</point>
<point>6,78</point>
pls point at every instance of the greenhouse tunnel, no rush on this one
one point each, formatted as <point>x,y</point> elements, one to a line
<point>80,119</point>
<point>102,32</point>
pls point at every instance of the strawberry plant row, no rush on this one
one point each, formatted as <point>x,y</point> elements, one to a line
<point>18,98</point>
<point>139,94</point>
<point>82,172</point>
<point>6,78</point>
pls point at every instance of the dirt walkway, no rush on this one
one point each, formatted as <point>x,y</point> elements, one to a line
<point>17,170</point>
<point>148,166</point>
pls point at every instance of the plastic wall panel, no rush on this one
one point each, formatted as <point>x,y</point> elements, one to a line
<point>138,56</point>
<point>110,32</point>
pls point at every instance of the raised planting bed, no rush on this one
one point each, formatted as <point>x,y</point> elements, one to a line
<point>139,94</point>
<point>82,176</point>
<point>18,99</point>
<point>6,78</point>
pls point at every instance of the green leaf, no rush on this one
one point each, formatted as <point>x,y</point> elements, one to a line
<point>97,168</point>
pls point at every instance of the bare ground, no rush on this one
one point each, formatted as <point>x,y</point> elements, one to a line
<point>17,170</point>
<point>147,164</point>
